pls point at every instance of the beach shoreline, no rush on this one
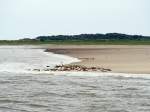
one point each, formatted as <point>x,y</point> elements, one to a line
<point>119,58</point>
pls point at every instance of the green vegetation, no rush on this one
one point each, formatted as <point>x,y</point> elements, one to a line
<point>108,36</point>
<point>83,39</point>
<point>79,42</point>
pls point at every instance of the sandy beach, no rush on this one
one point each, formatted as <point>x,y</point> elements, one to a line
<point>118,58</point>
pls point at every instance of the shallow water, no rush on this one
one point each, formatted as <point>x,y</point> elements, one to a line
<point>66,92</point>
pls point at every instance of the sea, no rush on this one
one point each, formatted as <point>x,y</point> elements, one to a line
<point>25,89</point>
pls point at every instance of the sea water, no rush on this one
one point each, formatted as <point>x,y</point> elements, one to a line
<point>23,90</point>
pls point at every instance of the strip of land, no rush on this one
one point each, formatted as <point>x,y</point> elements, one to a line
<point>118,58</point>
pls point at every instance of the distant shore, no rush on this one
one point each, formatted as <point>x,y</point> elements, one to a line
<point>118,58</point>
<point>75,42</point>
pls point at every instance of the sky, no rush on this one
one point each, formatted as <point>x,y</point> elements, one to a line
<point>32,18</point>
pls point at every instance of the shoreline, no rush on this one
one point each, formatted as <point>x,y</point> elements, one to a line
<point>118,58</point>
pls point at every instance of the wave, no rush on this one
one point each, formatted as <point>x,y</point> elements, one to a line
<point>20,60</point>
<point>91,74</point>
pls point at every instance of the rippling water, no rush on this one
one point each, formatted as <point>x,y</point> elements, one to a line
<point>65,92</point>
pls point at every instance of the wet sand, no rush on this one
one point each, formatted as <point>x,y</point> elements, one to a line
<point>118,58</point>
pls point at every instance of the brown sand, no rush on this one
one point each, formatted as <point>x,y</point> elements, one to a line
<point>118,58</point>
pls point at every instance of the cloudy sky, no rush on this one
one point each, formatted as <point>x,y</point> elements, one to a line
<point>31,18</point>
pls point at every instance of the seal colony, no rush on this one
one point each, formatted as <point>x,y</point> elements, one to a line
<point>78,68</point>
<point>75,68</point>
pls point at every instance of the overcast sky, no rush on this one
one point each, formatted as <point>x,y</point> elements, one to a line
<point>31,18</point>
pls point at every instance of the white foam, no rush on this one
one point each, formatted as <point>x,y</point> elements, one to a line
<point>20,60</point>
<point>14,67</point>
<point>96,74</point>
<point>91,74</point>
<point>68,58</point>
